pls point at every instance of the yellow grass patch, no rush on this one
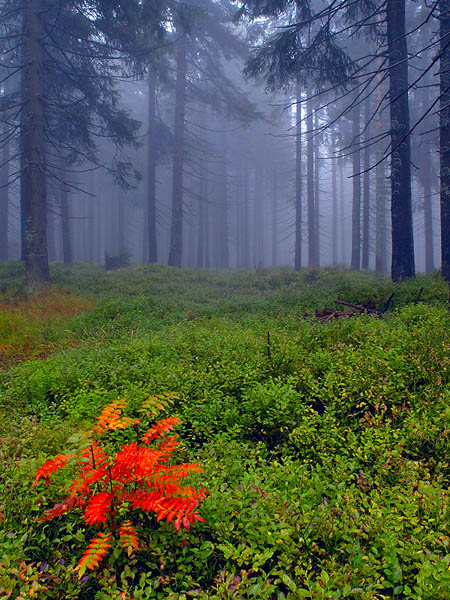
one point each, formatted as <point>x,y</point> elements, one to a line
<point>30,326</point>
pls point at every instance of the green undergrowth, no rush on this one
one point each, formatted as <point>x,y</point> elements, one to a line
<point>325,446</point>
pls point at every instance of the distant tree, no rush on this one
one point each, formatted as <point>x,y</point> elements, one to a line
<point>444,126</point>
<point>311,44</point>
<point>68,55</point>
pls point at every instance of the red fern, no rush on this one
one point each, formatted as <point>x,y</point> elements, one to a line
<point>159,428</point>
<point>95,552</point>
<point>51,467</point>
<point>98,508</point>
<point>137,476</point>
<point>63,507</point>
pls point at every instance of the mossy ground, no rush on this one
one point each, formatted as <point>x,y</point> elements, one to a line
<point>327,461</point>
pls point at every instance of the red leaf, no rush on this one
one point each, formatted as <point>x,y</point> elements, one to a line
<point>51,466</point>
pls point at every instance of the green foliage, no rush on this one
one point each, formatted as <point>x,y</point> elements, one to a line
<point>327,461</point>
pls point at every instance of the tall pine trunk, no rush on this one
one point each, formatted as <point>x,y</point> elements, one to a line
<point>312,261</point>
<point>151,170</point>
<point>356,205</point>
<point>366,188</point>
<point>298,185</point>
<point>316,192</point>
<point>4,201</point>
<point>334,216</point>
<point>67,243</point>
<point>176,230</point>
<point>33,184</point>
<point>401,210</point>
<point>275,221</point>
<point>427,188</point>
<point>444,126</point>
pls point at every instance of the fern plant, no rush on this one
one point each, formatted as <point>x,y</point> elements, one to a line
<point>112,484</point>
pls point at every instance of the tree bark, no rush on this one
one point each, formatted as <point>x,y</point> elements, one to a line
<point>4,201</point>
<point>275,222</point>
<point>444,126</point>
<point>65,224</point>
<point>312,260</point>
<point>298,186</point>
<point>366,188</point>
<point>316,192</point>
<point>33,184</point>
<point>334,217</point>
<point>151,170</point>
<point>356,205</point>
<point>176,231</point>
<point>401,210</point>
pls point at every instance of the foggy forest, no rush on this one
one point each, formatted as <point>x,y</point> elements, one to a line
<point>224,299</point>
<point>216,135</point>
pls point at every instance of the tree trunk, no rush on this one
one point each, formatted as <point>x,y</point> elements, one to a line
<point>342,198</point>
<point>298,186</point>
<point>316,192</point>
<point>151,170</point>
<point>245,218</point>
<point>356,206</point>
<point>366,188</point>
<point>401,210</point>
<point>176,231</point>
<point>275,221</point>
<point>33,184</point>
<point>65,224</point>
<point>380,190</point>
<point>427,180</point>
<point>334,217</point>
<point>312,261</point>
<point>444,126</point>
<point>4,201</point>
<point>223,231</point>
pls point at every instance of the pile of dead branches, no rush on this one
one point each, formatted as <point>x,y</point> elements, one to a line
<point>352,310</point>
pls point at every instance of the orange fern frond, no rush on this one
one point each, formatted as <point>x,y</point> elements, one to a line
<point>63,507</point>
<point>159,428</point>
<point>167,446</point>
<point>97,549</point>
<point>128,537</point>
<point>98,508</point>
<point>50,467</point>
<point>111,418</point>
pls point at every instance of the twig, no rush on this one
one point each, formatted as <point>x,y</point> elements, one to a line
<point>417,300</point>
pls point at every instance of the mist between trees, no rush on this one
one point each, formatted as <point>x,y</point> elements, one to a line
<point>225,134</point>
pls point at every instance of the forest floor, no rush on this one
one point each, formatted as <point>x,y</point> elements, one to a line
<point>324,445</point>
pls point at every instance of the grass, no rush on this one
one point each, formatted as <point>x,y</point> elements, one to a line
<point>327,458</point>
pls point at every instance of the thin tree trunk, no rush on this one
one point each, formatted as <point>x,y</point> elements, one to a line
<point>312,260</point>
<point>341,194</point>
<point>366,188</point>
<point>444,126</point>
<point>356,206</point>
<point>380,190</point>
<point>224,254</point>
<point>67,243</point>
<point>258,217</point>
<point>275,220</point>
<point>176,231</point>
<point>334,217</point>
<point>151,170</point>
<point>33,184</point>
<point>4,201</point>
<point>245,218</point>
<point>401,210</point>
<point>298,186</point>
<point>316,192</point>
